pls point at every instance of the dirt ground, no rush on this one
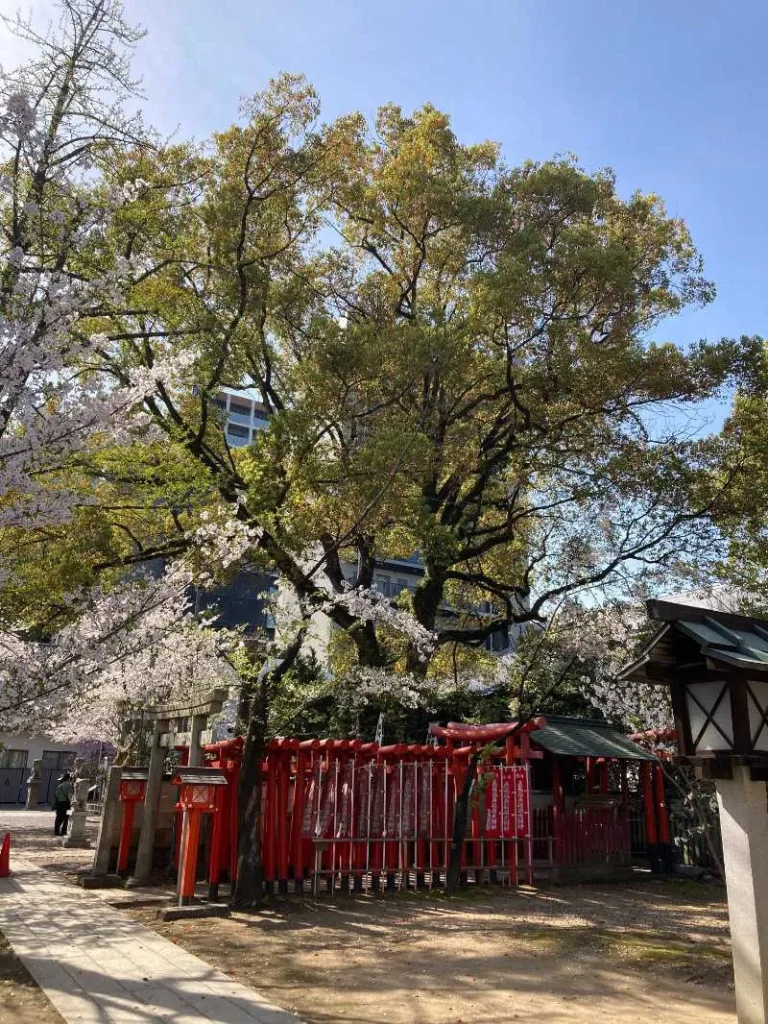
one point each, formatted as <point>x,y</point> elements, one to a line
<point>647,953</point>
<point>651,952</point>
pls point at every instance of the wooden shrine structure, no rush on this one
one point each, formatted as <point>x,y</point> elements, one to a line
<point>550,800</point>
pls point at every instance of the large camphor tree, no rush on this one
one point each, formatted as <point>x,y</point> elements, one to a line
<point>459,358</point>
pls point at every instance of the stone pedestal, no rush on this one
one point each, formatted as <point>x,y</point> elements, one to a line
<point>33,785</point>
<point>110,809</point>
<point>143,869</point>
<point>76,835</point>
<point>744,821</point>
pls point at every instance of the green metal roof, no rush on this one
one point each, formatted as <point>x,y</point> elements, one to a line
<point>736,646</point>
<point>586,737</point>
<point>737,640</point>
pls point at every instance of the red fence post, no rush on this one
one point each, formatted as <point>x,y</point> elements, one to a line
<point>558,806</point>
<point>651,834</point>
<point>662,812</point>
<point>281,816</point>
<point>217,838</point>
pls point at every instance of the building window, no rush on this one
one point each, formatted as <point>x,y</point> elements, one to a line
<point>58,759</point>
<point>13,758</point>
<point>384,585</point>
<point>497,642</point>
<point>238,435</point>
<point>220,403</point>
<point>240,408</point>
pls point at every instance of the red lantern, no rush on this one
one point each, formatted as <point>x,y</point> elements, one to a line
<point>133,788</point>
<point>197,797</point>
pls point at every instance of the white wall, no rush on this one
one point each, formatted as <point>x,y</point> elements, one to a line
<point>34,745</point>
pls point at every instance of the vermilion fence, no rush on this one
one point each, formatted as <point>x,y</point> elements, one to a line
<point>365,822</point>
<point>593,834</point>
<point>581,836</point>
<point>340,814</point>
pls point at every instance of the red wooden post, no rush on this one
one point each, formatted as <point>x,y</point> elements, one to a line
<point>234,830</point>
<point>509,750</point>
<point>125,837</point>
<point>217,840</point>
<point>590,775</point>
<point>189,857</point>
<point>558,806</point>
<point>269,793</point>
<point>624,786</point>
<point>179,830</point>
<point>297,814</point>
<point>378,774</point>
<point>282,816</point>
<point>5,856</point>
<point>651,835</point>
<point>661,804</point>
<point>604,777</point>
<point>509,846</point>
<point>437,823</point>
<point>625,827</point>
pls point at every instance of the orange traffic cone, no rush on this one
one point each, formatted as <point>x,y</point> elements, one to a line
<point>5,856</point>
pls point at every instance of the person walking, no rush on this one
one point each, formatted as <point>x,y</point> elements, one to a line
<point>62,801</point>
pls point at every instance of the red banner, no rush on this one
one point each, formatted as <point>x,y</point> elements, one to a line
<point>507,803</point>
<point>344,816</point>
<point>424,776</point>
<point>491,822</point>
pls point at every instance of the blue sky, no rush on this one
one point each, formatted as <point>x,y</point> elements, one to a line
<point>671,95</point>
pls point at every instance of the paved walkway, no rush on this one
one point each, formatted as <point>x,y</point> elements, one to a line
<point>98,966</point>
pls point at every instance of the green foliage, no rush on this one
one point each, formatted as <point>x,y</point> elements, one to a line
<point>468,371</point>
<point>741,514</point>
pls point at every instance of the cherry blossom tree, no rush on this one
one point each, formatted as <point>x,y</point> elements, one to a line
<point>65,112</point>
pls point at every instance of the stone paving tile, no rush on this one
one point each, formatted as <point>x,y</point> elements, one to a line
<point>98,966</point>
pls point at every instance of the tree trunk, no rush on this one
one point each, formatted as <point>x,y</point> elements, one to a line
<point>249,887</point>
<point>460,820</point>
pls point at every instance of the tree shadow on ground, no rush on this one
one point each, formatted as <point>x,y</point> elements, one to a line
<point>589,953</point>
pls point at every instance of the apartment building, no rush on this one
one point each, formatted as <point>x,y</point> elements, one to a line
<point>245,415</point>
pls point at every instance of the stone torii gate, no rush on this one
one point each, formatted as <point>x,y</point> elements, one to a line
<point>171,726</point>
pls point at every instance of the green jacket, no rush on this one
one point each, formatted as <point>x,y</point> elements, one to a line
<point>64,791</point>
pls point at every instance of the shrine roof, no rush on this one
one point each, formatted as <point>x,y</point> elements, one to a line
<point>739,641</point>
<point>587,737</point>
